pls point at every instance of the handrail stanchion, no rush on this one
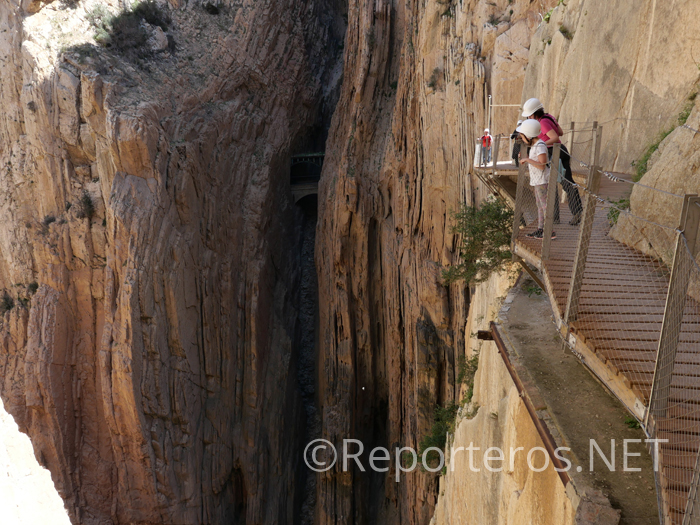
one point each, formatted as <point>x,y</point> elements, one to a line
<point>669,339</point>
<point>675,300</point>
<point>551,201</point>
<point>518,211</point>
<point>592,161</point>
<point>494,157</point>
<point>573,132</point>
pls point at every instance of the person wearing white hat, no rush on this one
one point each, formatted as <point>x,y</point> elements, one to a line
<point>537,162</point>
<point>486,140</point>
<point>550,134</point>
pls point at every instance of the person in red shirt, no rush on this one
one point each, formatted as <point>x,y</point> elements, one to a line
<point>486,140</point>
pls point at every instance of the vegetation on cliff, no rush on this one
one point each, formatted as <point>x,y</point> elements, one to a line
<point>125,32</point>
<point>485,233</point>
<point>444,418</point>
<point>642,165</point>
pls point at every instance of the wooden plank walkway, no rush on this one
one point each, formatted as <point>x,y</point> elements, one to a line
<point>621,309</point>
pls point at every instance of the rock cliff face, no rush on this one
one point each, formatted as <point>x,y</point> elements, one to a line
<point>515,494</point>
<point>399,151</point>
<point>150,255</point>
<point>629,66</point>
<point>27,494</point>
<point>674,169</point>
<point>398,158</point>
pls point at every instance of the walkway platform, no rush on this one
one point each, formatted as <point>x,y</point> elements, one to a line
<point>550,378</point>
<point>616,332</point>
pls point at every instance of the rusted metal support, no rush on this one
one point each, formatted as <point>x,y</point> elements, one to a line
<point>532,274</point>
<point>518,211</point>
<point>551,201</point>
<point>571,143</point>
<point>593,160</point>
<point>585,231</point>
<point>545,435</point>
<point>484,335</point>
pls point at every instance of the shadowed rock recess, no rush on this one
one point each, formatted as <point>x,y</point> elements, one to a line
<point>151,253</point>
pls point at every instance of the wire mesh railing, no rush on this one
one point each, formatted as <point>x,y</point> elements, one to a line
<point>629,289</point>
<point>683,403</point>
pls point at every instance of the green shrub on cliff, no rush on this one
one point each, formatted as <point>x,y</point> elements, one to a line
<point>87,207</point>
<point>642,164</point>
<point>467,371</point>
<point>125,32</point>
<point>485,234</point>
<point>7,303</point>
<point>443,422</point>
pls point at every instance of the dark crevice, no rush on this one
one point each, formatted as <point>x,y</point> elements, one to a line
<point>307,348</point>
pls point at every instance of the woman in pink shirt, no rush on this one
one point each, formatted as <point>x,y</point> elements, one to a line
<point>550,134</point>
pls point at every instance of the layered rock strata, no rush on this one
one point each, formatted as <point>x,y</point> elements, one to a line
<point>150,254</point>
<point>399,154</point>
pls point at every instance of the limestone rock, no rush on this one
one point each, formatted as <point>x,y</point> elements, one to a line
<point>158,40</point>
<point>629,68</point>
<point>151,242</point>
<point>675,171</point>
<point>27,494</point>
<point>395,168</point>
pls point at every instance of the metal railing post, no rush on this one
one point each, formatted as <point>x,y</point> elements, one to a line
<point>571,144</point>
<point>494,157</point>
<point>551,201</point>
<point>592,161</point>
<point>693,495</point>
<point>585,230</point>
<point>675,299</point>
<point>518,210</point>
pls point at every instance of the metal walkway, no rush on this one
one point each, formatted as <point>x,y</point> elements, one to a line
<point>622,302</point>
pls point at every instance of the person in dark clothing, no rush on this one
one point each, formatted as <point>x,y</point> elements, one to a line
<point>572,195</point>
<point>517,143</point>
<point>551,133</point>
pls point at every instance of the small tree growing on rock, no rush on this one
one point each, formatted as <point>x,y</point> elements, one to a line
<point>484,248</point>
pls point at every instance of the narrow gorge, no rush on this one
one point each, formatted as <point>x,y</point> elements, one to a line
<point>177,326</point>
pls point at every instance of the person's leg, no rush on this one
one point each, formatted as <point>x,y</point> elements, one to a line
<point>556,200</point>
<point>541,200</point>
<point>571,190</point>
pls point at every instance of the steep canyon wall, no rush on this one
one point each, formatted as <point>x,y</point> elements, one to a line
<point>150,254</point>
<point>413,102</point>
<point>628,65</point>
<point>154,364</point>
<point>398,162</point>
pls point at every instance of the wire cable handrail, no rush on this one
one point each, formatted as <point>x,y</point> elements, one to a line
<point>628,287</point>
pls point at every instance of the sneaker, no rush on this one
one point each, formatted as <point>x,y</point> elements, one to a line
<point>554,235</point>
<point>537,234</point>
<point>575,220</point>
